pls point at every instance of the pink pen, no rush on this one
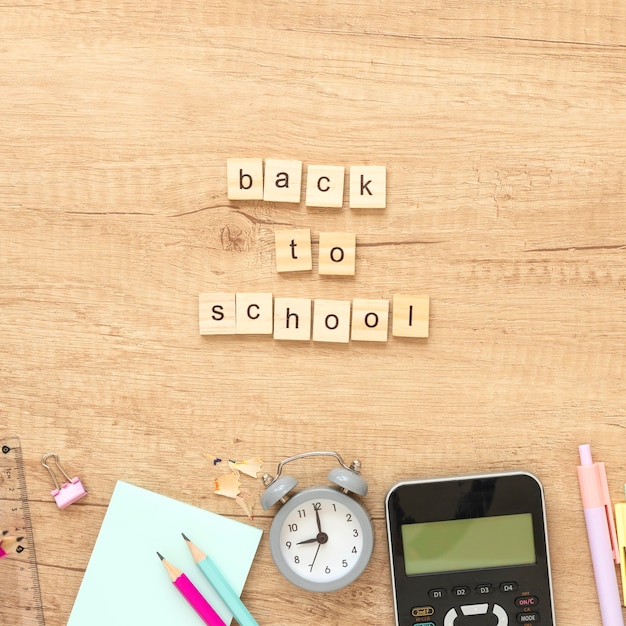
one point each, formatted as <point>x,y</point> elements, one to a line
<point>197,601</point>
<point>594,491</point>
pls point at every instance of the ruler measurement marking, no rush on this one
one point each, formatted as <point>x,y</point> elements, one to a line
<point>28,601</point>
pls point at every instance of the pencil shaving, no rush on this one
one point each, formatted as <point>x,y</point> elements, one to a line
<point>228,485</point>
<point>250,467</point>
<point>242,501</point>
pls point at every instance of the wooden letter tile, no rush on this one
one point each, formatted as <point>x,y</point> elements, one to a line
<point>368,187</point>
<point>217,314</point>
<point>337,254</point>
<point>245,179</point>
<point>370,320</point>
<point>292,318</point>
<point>324,186</point>
<point>331,321</point>
<point>283,180</point>
<point>410,316</point>
<point>293,250</point>
<point>255,313</point>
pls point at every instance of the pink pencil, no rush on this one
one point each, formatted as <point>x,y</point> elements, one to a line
<point>192,595</point>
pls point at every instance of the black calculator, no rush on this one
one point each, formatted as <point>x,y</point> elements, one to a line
<point>470,551</point>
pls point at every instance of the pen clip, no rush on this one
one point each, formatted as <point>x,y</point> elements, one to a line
<point>606,498</point>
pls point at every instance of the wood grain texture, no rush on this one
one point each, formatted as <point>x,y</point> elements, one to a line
<point>502,129</point>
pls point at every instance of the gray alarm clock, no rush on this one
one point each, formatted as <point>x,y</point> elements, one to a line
<point>321,539</point>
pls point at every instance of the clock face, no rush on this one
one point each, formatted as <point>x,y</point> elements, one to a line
<point>321,539</point>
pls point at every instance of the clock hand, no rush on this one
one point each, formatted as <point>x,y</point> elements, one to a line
<point>314,540</point>
<point>321,537</point>
<point>315,557</point>
<point>317,519</point>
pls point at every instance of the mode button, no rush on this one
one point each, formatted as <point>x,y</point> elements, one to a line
<point>528,618</point>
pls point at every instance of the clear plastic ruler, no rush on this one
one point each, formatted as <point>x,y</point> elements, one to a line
<point>20,595</point>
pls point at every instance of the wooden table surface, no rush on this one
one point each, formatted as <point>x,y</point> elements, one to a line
<point>502,128</point>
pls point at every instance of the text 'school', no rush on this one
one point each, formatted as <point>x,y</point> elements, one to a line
<point>302,319</point>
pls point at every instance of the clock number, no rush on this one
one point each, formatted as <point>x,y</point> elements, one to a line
<point>355,533</point>
<point>348,517</point>
<point>288,544</point>
<point>296,559</point>
<point>317,506</point>
<point>344,563</point>
<point>301,513</point>
<point>293,528</point>
<point>327,570</point>
<point>354,550</point>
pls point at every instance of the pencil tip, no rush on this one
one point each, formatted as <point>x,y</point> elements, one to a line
<point>160,556</point>
<point>185,537</point>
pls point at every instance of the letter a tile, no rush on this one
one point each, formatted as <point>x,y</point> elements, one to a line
<point>283,180</point>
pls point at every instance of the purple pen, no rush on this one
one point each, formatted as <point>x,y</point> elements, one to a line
<point>594,491</point>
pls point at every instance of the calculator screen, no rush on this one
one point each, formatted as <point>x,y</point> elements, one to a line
<point>468,544</point>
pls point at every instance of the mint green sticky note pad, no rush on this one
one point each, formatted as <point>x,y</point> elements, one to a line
<point>125,582</point>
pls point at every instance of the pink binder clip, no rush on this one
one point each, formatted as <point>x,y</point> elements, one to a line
<point>68,492</point>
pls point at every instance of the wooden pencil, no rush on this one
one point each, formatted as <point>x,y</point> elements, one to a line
<point>221,585</point>
<point>189,591</point>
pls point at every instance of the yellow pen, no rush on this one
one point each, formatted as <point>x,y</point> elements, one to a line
<point>620,523</point>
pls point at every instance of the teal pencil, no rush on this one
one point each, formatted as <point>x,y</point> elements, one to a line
<point>221,585</point>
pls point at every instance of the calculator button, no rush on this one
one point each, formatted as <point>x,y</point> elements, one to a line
<point>525,601</point>
<point>459,592</point>
<point>501,614</point>
<point>507,587</point>
<point>422,611</point>
<point>477,609</point>
<point>437,594</point>
<point>484,589</point>
<point>528,618</point>
<point>451,615</point>
<point>474,609</point>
